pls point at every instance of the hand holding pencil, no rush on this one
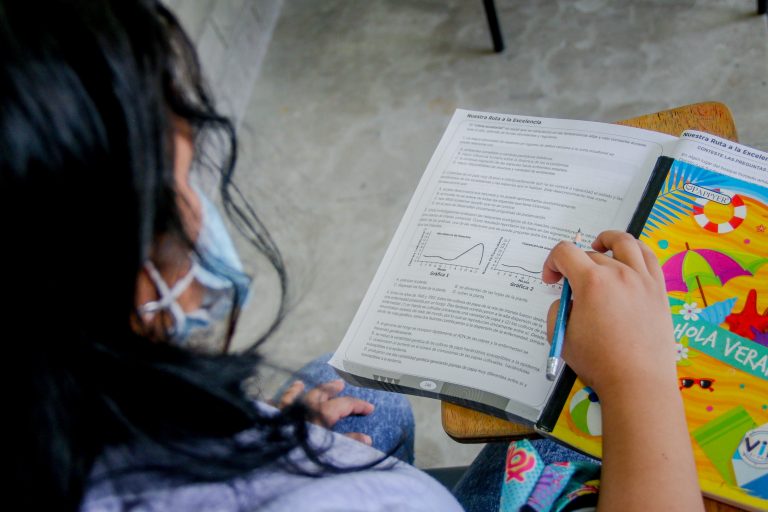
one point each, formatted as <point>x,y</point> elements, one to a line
<point>619,318</point>
<point>619,341</point>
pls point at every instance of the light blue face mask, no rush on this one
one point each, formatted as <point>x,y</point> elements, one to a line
<point>220,274</point>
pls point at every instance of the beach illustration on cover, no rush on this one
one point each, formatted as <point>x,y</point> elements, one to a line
<point>710,234</point>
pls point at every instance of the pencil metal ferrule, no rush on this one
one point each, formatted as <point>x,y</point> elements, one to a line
<point>554,364</point>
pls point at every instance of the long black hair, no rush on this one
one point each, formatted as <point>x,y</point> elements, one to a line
<point>89,91</point>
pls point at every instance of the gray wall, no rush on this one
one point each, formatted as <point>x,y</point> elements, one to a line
<point>232,37</point>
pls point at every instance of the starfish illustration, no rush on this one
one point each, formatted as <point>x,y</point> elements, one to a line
<point>760,228</point>
<point>742,323</point>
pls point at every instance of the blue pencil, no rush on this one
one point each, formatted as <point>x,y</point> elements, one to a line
<point>555,360</point>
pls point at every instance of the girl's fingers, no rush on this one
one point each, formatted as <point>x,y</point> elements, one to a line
<point>334,410</point>
<point>360,437</point>
<point>324,392</point>
<point>625,248</point>
<point>291,394</point>
<point>604,260</point>
<point>652,263</point>
<point>565,259</point>
<point>551,317</point>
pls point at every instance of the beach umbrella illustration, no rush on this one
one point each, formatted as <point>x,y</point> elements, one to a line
<point>695,268</point>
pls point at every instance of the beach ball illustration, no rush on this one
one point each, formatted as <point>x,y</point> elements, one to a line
<point>585,411</point>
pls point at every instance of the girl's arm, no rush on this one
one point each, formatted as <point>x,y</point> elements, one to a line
<point>619,341</point>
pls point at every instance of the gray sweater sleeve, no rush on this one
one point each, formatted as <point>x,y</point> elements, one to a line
<point>391,486</point>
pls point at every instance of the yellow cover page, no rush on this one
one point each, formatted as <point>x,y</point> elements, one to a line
<point>710,234</point>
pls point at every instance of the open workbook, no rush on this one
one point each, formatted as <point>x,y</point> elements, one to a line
<point>457,308</point>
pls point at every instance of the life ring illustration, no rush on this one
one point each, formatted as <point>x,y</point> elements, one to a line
<point>737,217</point>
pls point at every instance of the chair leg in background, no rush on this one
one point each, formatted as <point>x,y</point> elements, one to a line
<point>493,24</point>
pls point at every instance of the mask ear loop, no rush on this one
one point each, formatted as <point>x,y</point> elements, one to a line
<point>168,296</point>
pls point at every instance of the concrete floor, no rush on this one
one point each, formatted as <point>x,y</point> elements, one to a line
<point>353,97</point>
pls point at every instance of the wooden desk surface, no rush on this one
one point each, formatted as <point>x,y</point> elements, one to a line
<point>468,426</point>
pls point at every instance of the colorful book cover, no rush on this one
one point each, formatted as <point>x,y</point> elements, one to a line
<point>710,234</point>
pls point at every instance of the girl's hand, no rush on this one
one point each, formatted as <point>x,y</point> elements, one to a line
<point>619,333</point>
<point>329,408</point>
<point>619,340</point>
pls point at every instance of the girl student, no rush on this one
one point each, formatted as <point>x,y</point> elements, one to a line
<point>120,276</point>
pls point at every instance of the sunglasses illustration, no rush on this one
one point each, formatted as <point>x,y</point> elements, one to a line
<point>689,382</point>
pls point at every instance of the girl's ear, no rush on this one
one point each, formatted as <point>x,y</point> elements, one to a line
<point>189,204</point>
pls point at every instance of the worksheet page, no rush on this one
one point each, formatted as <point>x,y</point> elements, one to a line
<point>457,306</point>
<point>723,156</point>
